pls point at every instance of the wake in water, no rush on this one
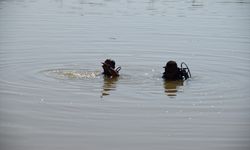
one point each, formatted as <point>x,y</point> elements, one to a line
<point>72,74</point>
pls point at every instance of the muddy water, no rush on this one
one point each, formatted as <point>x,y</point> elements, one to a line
<point>53,96</point>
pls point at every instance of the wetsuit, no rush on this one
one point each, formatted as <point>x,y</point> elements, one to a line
<point>181,74</point>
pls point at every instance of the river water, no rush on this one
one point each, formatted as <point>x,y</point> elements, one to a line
<point>53,96</point>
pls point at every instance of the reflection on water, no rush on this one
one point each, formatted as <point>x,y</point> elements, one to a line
<point>109,84</point>
<point>171,87</point>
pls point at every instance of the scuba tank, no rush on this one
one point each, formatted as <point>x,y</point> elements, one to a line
<point>118,68</point>
<point>185,71</point>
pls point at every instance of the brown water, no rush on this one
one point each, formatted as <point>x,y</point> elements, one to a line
<point>53,96</point>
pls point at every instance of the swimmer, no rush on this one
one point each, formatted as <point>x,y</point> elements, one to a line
<point>109,68</point>
<point>173,72</point>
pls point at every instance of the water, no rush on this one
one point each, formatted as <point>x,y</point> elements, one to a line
<point>53,96</point>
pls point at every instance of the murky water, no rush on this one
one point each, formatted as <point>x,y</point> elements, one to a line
<point>53,96</point>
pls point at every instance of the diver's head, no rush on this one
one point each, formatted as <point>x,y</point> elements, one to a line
<point>110,62</point>
<point>171,67</point>
<point>171,71</point>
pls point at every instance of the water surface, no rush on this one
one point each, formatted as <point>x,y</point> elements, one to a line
<point>53,96</point>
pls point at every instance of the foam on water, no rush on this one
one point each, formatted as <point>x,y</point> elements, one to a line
<point>72,74</point>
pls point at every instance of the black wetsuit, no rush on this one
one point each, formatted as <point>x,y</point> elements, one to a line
<point>180,75</point>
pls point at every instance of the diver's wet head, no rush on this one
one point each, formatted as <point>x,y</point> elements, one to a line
<point>110,63</point>
<point>171,67</point>
<point>171,71</point>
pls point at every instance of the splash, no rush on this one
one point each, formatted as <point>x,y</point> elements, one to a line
<point>72,74</point>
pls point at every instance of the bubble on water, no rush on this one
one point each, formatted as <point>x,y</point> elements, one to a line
<point>212,106</point>
<point>41,100</point>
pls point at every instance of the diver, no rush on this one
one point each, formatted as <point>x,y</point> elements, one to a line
<point>173,72</point>
<point>109,68</point>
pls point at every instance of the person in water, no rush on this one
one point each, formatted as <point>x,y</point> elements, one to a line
<point>173,72</point>
<point>109,68</point>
